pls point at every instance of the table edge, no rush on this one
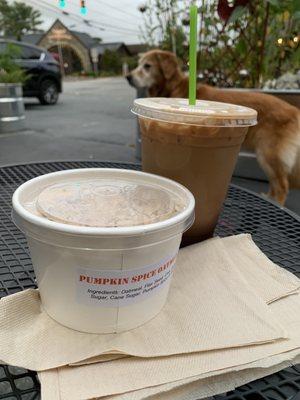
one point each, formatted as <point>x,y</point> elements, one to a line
<point>262,197</point>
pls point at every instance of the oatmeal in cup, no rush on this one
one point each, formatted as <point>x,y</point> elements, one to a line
<point>103,244</point>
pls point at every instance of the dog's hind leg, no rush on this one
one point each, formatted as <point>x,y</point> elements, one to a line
<point>279,187</point>
<point>277,166</point>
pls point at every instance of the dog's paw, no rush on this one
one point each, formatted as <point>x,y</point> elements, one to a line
<point>265,195</point>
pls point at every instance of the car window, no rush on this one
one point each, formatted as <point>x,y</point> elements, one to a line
<point>29,53</point>
<point>24,52</point>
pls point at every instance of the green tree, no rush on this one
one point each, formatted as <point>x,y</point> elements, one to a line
<point>162,25</point>
<point>175,35</point>
<point>18,18</point>
<point>260,39</point>
<point>111,62</point>
<point>241,43</point>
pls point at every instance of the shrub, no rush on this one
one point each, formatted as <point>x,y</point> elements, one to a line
<point>111,61</point>
<point>10,71</point>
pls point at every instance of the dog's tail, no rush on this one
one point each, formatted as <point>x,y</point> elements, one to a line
<point>295,173</point>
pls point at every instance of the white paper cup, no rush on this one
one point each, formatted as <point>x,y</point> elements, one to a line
<point>102,280</point>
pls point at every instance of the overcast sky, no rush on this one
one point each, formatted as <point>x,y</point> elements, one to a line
<point>120,19</point>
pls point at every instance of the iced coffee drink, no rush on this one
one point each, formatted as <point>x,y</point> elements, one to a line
<point>196,146</point>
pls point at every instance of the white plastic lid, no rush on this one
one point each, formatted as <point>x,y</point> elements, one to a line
<point>106,203</point>
<point>36,225</point>
<point>210,113</point>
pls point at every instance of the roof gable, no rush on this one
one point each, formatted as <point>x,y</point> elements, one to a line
<point>57,30</point>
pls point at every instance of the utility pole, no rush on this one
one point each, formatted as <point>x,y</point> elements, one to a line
<point>61,60</point>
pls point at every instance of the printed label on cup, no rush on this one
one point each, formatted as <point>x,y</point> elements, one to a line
<point>112,288</point>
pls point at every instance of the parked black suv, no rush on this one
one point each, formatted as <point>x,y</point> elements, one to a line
<point>44,72</point>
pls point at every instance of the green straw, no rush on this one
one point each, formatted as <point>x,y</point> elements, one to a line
<point>193,55</point>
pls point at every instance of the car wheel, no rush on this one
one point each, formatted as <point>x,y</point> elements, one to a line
<point>48,92</point>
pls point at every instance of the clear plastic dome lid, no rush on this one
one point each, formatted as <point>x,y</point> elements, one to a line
<point>205,112</point>
<point>103,203</point>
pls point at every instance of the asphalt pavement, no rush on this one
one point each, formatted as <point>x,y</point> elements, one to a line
<point>92,121</point>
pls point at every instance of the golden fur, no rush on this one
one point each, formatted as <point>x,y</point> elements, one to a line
<point>276,137</point>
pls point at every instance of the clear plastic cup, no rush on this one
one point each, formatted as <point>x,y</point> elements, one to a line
<point>109,278</point>
<point>196,146</point>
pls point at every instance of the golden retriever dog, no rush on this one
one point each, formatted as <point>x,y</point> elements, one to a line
<point>276,137</point>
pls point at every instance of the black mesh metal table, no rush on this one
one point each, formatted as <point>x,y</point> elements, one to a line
<point>276,231</point>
